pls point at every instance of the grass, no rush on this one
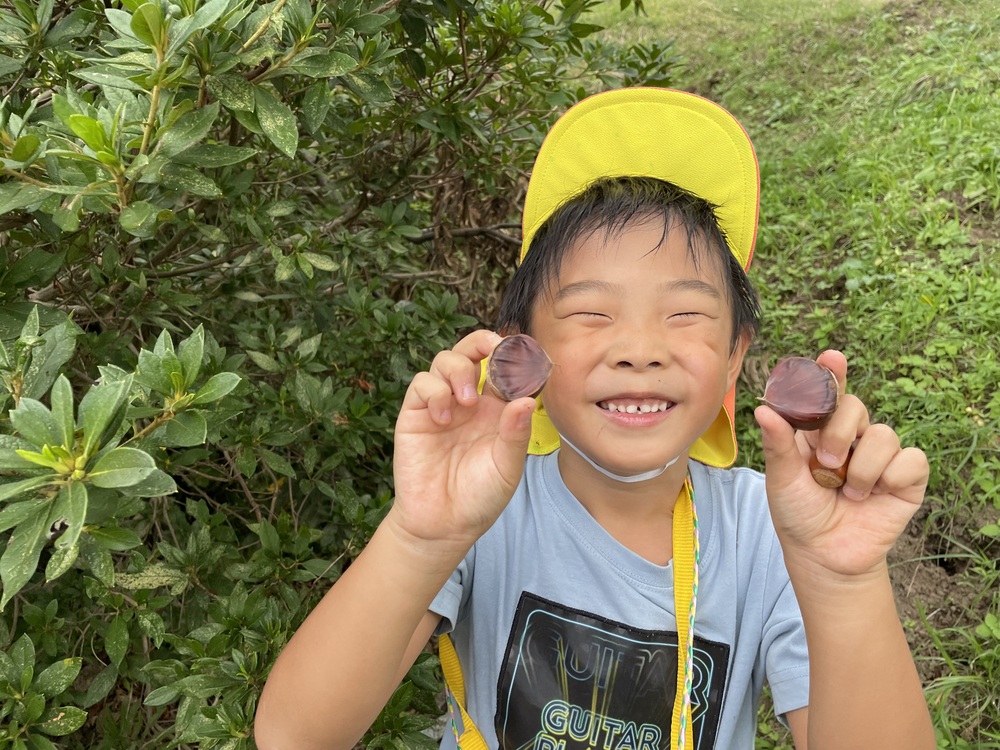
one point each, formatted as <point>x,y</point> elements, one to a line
<point>875,123</point>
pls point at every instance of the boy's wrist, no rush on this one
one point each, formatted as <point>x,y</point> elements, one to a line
<point>432,553</point>
<point>816,584</point>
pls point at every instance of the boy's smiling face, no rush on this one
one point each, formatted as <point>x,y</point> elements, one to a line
<point>640,336</point>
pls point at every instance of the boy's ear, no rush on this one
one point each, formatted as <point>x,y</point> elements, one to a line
<point>736,358</point>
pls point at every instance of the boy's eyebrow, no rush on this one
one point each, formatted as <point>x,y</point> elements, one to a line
<point>667,287</point>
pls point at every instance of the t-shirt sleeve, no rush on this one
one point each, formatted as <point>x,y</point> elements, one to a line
<point>784,657</point>
<point>452,600</point>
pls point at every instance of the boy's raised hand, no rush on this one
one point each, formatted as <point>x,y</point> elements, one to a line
<point>846,531</point>
<point>458,456</point>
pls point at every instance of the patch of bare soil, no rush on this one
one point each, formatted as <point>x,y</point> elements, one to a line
<point>931,590</point>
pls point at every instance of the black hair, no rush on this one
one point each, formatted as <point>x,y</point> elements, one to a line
<point>611,205</point>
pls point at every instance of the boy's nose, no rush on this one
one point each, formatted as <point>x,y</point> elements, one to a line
<point>639,352</point>
<point>639,364</point>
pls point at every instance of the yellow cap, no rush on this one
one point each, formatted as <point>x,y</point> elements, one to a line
<point>651,132</point>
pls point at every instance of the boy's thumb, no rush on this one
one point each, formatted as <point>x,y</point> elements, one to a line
<point>781,454</point>
<point>515,431</point>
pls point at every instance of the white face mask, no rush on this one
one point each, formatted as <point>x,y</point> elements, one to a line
<point>644,476</point>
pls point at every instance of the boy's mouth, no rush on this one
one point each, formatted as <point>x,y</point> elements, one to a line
<point>635,406</point>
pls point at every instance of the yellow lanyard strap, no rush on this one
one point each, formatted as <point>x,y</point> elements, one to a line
<point>685,598</point>
<point>470,738</point>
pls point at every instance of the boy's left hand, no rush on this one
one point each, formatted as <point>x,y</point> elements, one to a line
<point>846,531</point>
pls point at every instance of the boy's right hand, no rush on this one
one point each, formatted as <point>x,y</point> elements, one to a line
<point>458,455</point>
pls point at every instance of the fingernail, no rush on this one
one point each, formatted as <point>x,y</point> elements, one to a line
<point>469,392</point>
<point>445,416</point>
<point>828,459</point>
<point>852,493</point>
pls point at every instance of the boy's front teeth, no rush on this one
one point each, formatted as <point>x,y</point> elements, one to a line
<point>635,408</point>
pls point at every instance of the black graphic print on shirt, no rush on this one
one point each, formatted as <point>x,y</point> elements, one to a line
<point>572,680</point>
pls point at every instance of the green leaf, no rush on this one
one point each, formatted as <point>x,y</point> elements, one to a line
<point>264,361</point>
<point>152,626</point>
<point>211,155</point>
<point>60,561</point>
<point>369,87</point>
<point>161,696</point>
<point>233,90</point>
<point>99,409</point>
<point>120,21</point>
<point>139,219</point>
<point>121,467</point>
<point>61,399</point>
<point>147,24</point>
<point>157,484</point>
<point>188,130</point>
<point>116,639</point>
<point>74,25</point>
<point>62,720</point>
<point>98,559</point>
<point>17,195</point>
<point>190,353</point>
<point>101,686</point>
<point>277,121</point>
<point>186,429</point>
<point>204,17</point>
<point>115,538</point>
<point>25,147</point>
<point>104,79</point>
<point>58,345</point>
<point>189,180</point>
<point>322,262</point>
<point>152,372</point>
<point>216,387</point>
<point>21,556</point>
<point>154,576</point>
<point>15,513</point>
<point>321,63</point>
<point>13,489</point>
<point>70,508</point>
<point>90,131</point>
<point>277,463</point>
<point>9,65</point>
<point>40,742</point>
<point>315,105</point>
<point>57,677</point>
<point>34,422</point>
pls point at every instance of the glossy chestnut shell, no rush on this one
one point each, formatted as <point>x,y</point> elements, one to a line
<point>518,367</point>
<point>803,392</point>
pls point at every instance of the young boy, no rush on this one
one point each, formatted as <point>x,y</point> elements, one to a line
<point>622,588</point>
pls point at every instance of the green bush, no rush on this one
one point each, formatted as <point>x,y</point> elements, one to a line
<point>230,232</point>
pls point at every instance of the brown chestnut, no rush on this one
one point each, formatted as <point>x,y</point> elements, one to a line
<point>803,392</point>
<point>825,476</point>
<point>518,367</point>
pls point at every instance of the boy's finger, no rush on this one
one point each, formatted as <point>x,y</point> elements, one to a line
<point>459,372</point>
<point>432,393</point>
<point>477,345</point>
<point>836,362</point>
<point>781,453</point>
<point>833,442</point>
<point>511,447</point>
<point>906,476</point>
<point>876,449</point>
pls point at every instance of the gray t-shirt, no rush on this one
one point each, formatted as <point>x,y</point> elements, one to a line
<point>575,636</point>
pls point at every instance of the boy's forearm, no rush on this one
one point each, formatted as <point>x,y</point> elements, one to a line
<point>343,663</point>
<point>864,690</point>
